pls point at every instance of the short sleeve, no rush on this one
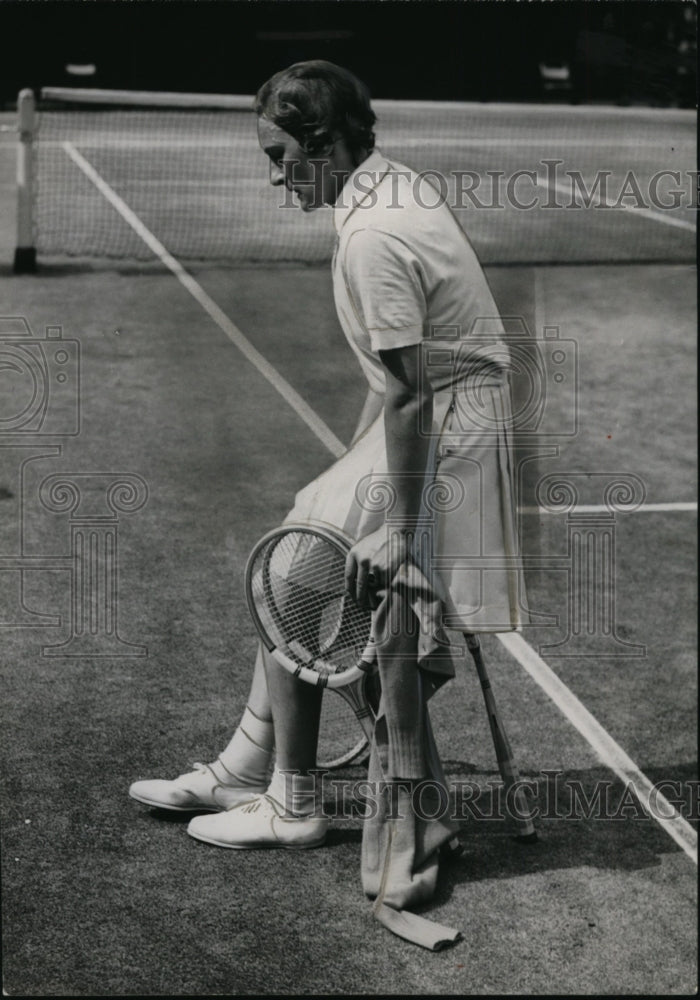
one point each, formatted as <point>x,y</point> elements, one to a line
<point>383,280</point>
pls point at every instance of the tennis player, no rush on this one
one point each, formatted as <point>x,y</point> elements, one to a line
<point>416,310</point>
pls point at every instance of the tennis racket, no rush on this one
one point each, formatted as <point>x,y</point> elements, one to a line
<point>295,586</point>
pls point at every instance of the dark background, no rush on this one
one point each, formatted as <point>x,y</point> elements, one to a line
<point>622,52</point>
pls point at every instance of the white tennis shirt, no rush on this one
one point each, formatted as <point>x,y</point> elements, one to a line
<point>404,272</point>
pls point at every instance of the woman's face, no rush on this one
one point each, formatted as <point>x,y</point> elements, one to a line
<point>311,178</point>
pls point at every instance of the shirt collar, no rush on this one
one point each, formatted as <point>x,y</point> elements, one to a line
<point>358,186</point>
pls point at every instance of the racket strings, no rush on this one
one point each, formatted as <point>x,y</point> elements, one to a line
<point>298,585</point>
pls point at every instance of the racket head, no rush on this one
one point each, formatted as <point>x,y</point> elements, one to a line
<point>295,588</point>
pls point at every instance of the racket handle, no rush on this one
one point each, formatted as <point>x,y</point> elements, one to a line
<point>507,767</point>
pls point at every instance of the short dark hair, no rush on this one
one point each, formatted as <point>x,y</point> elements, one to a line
<point>315,101</point>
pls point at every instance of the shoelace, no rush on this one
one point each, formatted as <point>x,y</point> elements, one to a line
<point>198,766</point>
<point>256,803</point>
<point>236,783</point>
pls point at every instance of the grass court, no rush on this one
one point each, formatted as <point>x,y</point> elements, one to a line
<point>104,897</point>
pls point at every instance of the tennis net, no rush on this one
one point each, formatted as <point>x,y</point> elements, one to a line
<point>530,184</point>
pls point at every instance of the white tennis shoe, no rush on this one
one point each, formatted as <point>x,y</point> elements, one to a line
<point>196,791</point>
<point>259,823</point>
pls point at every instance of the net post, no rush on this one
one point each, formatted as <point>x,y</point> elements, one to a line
<point>25,251</point>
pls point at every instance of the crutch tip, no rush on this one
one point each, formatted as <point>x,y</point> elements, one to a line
<point>526,838</point>
<point>452,850</point>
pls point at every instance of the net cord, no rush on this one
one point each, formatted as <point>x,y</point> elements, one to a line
<point>148,99</point>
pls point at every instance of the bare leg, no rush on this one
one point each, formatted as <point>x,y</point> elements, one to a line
<point>296,712</point>
<point>248,757</point>
<point>258,698</point>
<point>288,714</point>
<point>286,815</point>
<point>241,770</point>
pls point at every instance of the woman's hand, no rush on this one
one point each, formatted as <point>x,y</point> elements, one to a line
<point>373,562</point>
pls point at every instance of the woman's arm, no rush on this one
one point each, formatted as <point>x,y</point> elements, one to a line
<point>408,412</point>
<point>408,407</point>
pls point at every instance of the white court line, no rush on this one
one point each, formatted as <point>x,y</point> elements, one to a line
<point>645,508</point>
<point>606,748</point>
<point>647,213</point>
<point>610,752</point>
<point>299,405</point>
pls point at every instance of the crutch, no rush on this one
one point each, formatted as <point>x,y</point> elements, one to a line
<point>507,767</point>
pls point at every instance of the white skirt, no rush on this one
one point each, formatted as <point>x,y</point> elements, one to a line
<point>467,541</point>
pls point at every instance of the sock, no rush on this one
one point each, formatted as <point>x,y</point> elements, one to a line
<point>247,758</point>
<point>296,793</point>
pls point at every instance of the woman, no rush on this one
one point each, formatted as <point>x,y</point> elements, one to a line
<point>418,314</point>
